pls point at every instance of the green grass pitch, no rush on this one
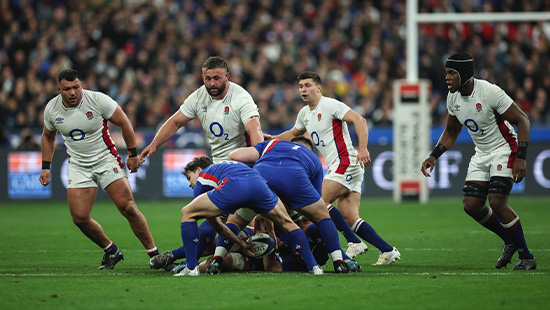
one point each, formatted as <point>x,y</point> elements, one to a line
<point>447,262</point>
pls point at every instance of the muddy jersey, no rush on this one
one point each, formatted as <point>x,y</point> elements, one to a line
<point>481,112</point>
<point>84,128</point>
<point>329,132</point>
<point>223,120</point>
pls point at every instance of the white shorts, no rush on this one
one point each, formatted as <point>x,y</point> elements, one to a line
<point>104,172</point>
<point>246,214</point>
<point>352,178</point>
<point>483,166</point>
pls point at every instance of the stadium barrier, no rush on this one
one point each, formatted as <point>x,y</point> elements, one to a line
<point>160,176</point>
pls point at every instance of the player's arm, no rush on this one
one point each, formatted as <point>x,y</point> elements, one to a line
<point>167,131</point>
<point>120,119</point>
<point>244,154</point>
<point>287,135</point>
<point>223,230</point>
<point>254,130</point>
<point>516,116</point>
<point>47,148</point>
<point>362,130</point>
<point>447,139</point>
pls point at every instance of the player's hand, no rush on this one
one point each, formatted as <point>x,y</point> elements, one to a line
<point>246,246</point>
<point>45,177</point>
<point>133,164</point>
<point>428,166</point>
<point>147,151</point>
<point>519,170</point>
<point>268,137</point>
<point>363,158</point>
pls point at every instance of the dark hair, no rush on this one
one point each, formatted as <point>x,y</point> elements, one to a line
<point>303,141</point>
<point>197,162</point>
<point>310,75</point>
<point>215,62</point>
<point>462,63</point>
<point>67,74</point>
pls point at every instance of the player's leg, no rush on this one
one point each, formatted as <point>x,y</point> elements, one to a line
<point>349,206</point>
<point>200,207</point>
<point>207,236</point>
<point>81,201</point>
<point>297,237</point>
<point>475,196</point>
<point>331,191</point>
<point>121,194</point>
<point>235,222</point>
<point>499,190</point>
<point>319,215</point>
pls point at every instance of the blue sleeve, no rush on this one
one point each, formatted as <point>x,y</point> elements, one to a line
<point>200,188</point>
<point>260,147</point>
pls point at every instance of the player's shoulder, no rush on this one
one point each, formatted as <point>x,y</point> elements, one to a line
<point>53,103</point>
<point>199,93</point>
<point>484,85</point>
<point>328,103</point>
<point>238,92</point>
<point>93,95</point>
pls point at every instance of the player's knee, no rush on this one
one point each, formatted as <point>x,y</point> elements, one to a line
<point>81,219</point>
<point>474,190</point>
<point>500,186</point>
<point>128,209</point>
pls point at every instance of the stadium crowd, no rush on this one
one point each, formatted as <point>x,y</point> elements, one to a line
<point>146,54</point>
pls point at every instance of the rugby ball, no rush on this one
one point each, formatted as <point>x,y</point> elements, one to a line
<point>264,245</point>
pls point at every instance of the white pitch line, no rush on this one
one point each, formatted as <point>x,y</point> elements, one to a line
<point>368,273</point>
<point>402,249</point>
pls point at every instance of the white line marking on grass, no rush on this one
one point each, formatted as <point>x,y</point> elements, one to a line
<point>370,274</point>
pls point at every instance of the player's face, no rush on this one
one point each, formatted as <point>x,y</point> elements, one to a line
<point>309,91</point>
<point>452,78</point>
<point>71,92</point>
<point>215,81</point>
<point>192,177</point>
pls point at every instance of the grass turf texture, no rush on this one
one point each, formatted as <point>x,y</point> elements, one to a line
<point>447,263</point>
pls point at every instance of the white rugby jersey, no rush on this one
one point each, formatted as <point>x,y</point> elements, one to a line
<point>329,132</point>
<point>223,120</point>
<point>481,112</point>
<point>84,128</point>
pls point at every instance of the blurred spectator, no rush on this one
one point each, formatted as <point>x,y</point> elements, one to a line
<point>145,54</point>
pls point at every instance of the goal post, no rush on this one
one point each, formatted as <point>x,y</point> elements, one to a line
<point>411,142</point>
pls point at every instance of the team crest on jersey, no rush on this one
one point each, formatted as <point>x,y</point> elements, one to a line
<point>319,117</point>
<point>204,108</point>
<point>457,107</point>
<point>478,107</point>
<point>499,167</point>
<point>226,110</point>
<point>59,120</point>
<point>89,115</point>
<point>115,170</point>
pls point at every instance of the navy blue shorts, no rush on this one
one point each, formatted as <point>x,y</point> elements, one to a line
<point>243,192</point>
<point>291,184</point>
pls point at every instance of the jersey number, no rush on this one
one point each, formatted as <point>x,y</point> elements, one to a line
<point>217,130</point>
<point>316,140</point>
<point>472,126</point>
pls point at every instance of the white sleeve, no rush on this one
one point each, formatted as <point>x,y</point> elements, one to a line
<point>48,122</point>
<point>501,99</point>
<point>300,124</point>
<point>106,105</point>
<point>187,108</point>
<point>248,109</point>
<point>339,109</point>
